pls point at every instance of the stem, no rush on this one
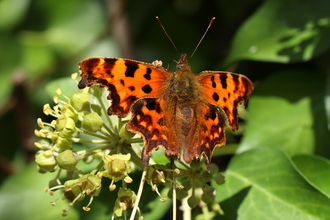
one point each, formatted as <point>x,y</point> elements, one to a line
<point>206,212</point>
<point>138,196</point>
<point>97,168</point>
<point>174,189</point>
<point>186,209</point>
<point>79,140</point>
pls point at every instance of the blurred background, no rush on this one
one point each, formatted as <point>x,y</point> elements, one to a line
<point>282,46</point>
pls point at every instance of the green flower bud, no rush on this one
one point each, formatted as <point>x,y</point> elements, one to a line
<point>72,190</point>
<point>67,160</point>
<point>126,199</point>
<point>54,182</point>
<point>208,194</point>
<point>63,144</point>
<point>70,114</point>
<point>45,160</point>
<point>181,194</point>
<point>69,129</point>
<point>206,176</point>
<point>186,184</point>
<point>192,201</point>
<point>219,179</point>
<point>80,102</point>
<point>214,169</point>
<point>156,175</point>
<point>90,184</point>
<point>66,126</point>
<point>60,123</point>
<point>117,166</point>
<point>195,165</point>
<point>123,133</point>
<point>92,122</point>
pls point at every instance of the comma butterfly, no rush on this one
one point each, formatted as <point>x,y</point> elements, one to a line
<point>182,112</point>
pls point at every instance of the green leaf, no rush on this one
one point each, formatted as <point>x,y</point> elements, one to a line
<point>286,112</point>
<point>22,197</point>
<point>263,184</point>
<point>283,31</point>
<point>316,170</point>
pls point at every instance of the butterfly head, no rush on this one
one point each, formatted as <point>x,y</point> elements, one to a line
<point>183,64</point>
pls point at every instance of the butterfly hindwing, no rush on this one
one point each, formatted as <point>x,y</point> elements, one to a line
<point>127,80</point>
<point>226,90</point>
<point>209,133</point>
<point>149,120</point>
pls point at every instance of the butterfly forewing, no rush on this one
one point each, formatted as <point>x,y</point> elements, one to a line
<point>226,90</point>
<point>126,80</point>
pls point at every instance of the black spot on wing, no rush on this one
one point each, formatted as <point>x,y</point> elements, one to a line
<point>161,122</point>
<point>109,73</point>
<point>153,105</point>
<point>212,114</point>
<point>214,85</point>
<point>110,61</point>
<point>146,89</point>
<point>131,67</point>
<point>235,78</point>
<point>223,80</point>
<point>236,81</point>
<point>215,97</point>
<point>147,76</point>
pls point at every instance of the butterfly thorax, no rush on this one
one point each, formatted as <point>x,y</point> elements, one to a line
<point>184,85</point>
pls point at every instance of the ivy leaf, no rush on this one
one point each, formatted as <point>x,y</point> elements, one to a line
<point>283,31</point>
<point>316,170</point>
<point>286,112</point>
<point>263,184</point>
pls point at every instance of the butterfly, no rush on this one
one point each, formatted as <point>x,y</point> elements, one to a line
<point>182,112</point>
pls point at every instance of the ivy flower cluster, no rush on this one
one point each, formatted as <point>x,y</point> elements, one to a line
<point>82,132</point>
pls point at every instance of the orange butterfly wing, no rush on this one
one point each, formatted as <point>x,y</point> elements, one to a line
<point>126,80</point>
<point>209,133</point>
<point>149,120</point>
<point>226,90</point>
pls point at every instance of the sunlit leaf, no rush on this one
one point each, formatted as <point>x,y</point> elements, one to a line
<point>263,184</point>
<point>283,31</point>
<point>316,170</point>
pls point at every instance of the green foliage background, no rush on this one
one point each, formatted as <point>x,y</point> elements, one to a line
<point>278,169</point>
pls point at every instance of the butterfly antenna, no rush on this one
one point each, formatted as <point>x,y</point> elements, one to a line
<point>207,29</point>
<point>160,23</point>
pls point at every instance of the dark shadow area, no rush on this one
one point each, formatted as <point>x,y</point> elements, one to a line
<point>232,204</point>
